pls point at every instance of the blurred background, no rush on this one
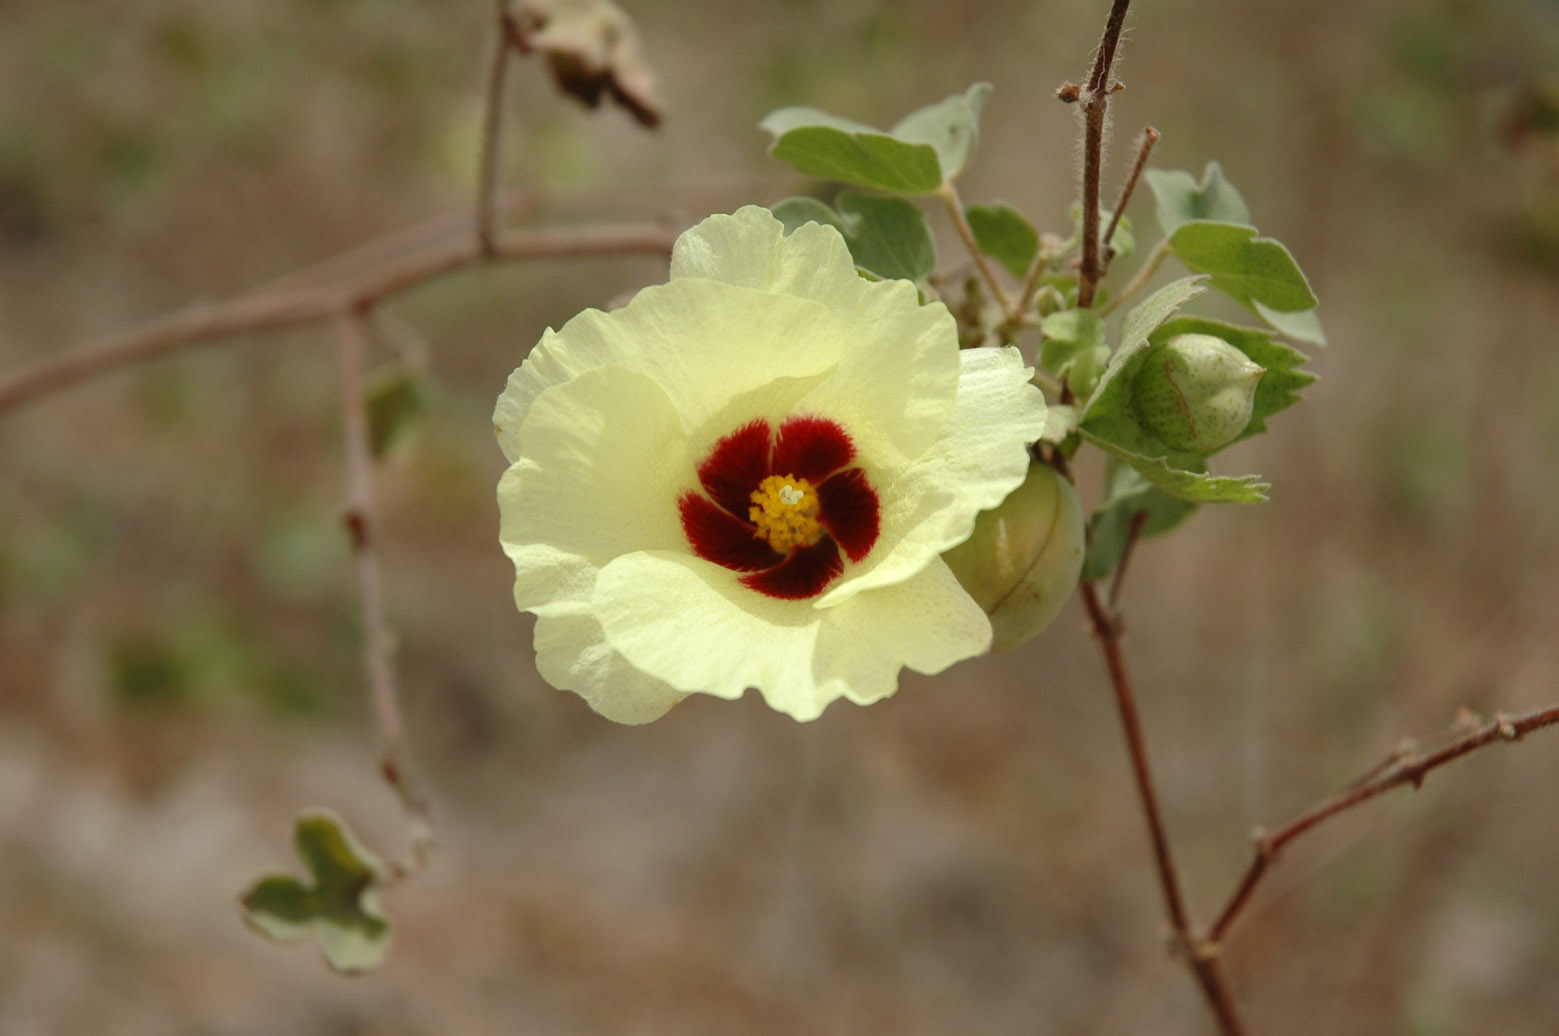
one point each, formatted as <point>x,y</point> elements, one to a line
<point>179,650</point>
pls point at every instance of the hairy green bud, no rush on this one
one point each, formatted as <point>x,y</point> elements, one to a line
<point>1195,392</point>
<point>1024,556</point>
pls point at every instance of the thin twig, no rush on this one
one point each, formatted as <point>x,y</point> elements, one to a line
<point>378,645</point>
<point>1149,138</point>
<point>1133,534</point>
<point>955,211</point>
<point>1403,768</point>
<point>277,310</point>
<point>492,135</point>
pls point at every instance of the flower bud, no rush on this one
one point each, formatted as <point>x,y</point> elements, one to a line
<point>1195,392</point>
<point>1024,557</point>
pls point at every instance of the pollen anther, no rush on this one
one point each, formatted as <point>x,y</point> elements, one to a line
<point>784,510</point>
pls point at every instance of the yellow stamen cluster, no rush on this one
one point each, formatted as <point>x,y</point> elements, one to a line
<point>785,511</point>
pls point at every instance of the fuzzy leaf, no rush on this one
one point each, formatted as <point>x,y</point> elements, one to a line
<point>951,126</point>
<point>890,237</point>
<point>1301,326</point>
<point>793,212</point>
<point>1074,348</point>
<point>1181,199</point>
<point>1060,422</point>
<point>1003,234</point>
<point>339,905</point>
<point>926,148</point>
<point>1247,268</point>
<point>1184,482</point>
<point>396,408</point>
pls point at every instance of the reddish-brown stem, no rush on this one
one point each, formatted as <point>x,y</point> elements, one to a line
<point>271,310</point>
<point>1201,956</point>
<point>1133,534</point>
<point>1403,767</point>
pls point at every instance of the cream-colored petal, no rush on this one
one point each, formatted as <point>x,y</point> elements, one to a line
<point>930,504</point>
<point>749,248</point>
<point>572,655</point>
<point>896,386</point>
<point>703,342</point>
<point>691,624</point>
<point>605,460</point>
<point>925,623</point>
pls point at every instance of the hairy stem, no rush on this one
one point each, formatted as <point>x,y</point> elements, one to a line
<point>1149,138</point>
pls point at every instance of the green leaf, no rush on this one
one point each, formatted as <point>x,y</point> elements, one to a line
<point>1124,242</point>
<point>1152,311</point>
<point>926,148</point>
<point>1279,387</point>
<point>340,906</point>
<point>890,237</point>
<point>1185,482</point>
<point>1060,422</point>
<point>1128,494</point>
<point>1074,348</point>
<point>794,212</point>
<point>1003,234</point>
<point>1301,326</point>
<point>951,126</point>
<point>1181,199</point>
<point>396,408</point>
<point>1247,268</point>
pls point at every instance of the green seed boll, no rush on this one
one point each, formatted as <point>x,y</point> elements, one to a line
<point>1195,392</point>
<point>1024,556</point>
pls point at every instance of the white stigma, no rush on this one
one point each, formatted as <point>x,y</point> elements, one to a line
<point>790,496</point>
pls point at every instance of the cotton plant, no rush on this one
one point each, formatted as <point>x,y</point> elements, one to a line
<point>807,462</point>
<point>820,453</point>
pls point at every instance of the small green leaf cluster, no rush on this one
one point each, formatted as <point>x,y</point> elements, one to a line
<point>339,904</point>
<point>1160,391</point>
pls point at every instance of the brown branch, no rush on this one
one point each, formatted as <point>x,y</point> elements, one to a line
<point>274,310</point>
<point>492,134</point>
<point>378,645</point>
<point>1405,766</point>
<point>1095,99</point>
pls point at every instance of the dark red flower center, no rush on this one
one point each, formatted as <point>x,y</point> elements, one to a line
<point>781,508</point>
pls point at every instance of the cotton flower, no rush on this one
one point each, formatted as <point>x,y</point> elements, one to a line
<point>745,478</point>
